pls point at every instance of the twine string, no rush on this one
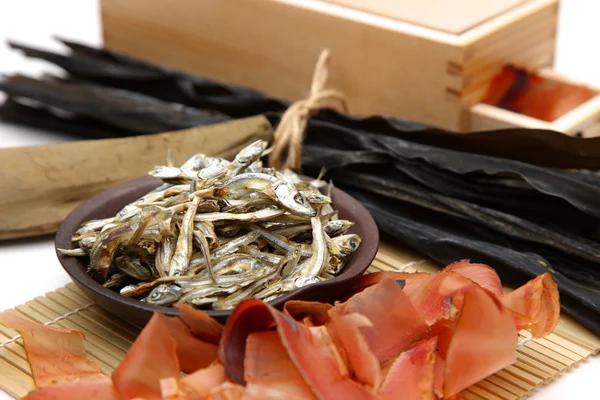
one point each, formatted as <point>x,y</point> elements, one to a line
<point>289,133</point>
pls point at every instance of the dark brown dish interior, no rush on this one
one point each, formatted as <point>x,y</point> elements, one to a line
<point>109,202</point>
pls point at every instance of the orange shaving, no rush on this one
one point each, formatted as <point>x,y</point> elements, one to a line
<point>399,336</point>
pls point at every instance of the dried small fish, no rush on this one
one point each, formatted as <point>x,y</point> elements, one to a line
<point>243,206</point>
<point>167,250</point>
<point>283,286</point>
<point>210,173</point>
<point>205,249</point>
<point>91,227</point>
<point>315,198</point>
<point>183,249</point>
<point>207,229</point>
<point>281,242</point>
<point>117,279</point>
<point>101,254</point>
<point>217,232</point>
<point>170,174</point>
<point>234,299</point>
<point>283,192</point>
<point>256,216</point>
<point>338,227</point>
<point>344,245</point>
<point>248,155</point>
<point>87,242</point>
<point>73,252</point>
<point>230,247</point>
<point>164,294</point>
<point>133,267</point>
<point>267,258</point>
<point>318,260</point>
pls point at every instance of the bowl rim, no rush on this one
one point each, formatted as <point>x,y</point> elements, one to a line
<point>72,266</point>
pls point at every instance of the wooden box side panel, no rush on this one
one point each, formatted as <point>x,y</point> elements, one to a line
<point>273,45</point>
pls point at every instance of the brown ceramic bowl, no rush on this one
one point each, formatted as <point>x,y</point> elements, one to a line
<point>109,202</point>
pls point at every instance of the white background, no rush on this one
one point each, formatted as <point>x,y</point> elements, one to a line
<point>29,268</point>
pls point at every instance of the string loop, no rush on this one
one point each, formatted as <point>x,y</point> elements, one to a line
<point>289,133</point>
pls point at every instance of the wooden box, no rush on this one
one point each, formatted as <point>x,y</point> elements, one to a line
<point>430,60</point>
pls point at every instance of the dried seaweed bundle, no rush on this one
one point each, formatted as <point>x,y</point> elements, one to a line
<point>520,218</point>
<point>118,108</point>
<point>109,69</point>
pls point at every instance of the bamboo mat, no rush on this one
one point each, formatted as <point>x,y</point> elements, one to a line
<point>108,338</point>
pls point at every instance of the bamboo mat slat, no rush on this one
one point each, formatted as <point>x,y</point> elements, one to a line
<point>108,338</point>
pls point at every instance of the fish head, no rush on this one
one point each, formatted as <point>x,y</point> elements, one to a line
<point>164,294</point>
<point>251,152</point>
<point>165,172</point>
<point>214,170</point>
<point>87,242</point>
<point>337,226</point>
<point>348,243</point>
<point>335,265</point>
<point>306,280</point>
<point>128,212</point>
<point>293,200</point>
<point>194,163</point>
<point>133,267</point>
<point>316,198</point>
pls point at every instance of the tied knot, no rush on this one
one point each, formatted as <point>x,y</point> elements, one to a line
<point>289,134</point>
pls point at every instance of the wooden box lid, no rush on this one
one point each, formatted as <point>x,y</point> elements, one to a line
<point>454,17</point>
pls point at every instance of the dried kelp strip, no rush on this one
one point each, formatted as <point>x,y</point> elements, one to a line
<point>444,241</point>
<point>46,118</point>
<point>334,158</point>
<point>576,192</point>
<point>498,221</point>
<point>545,180</point>
<point>119,108</point>
<point>107,68</point>
<point>587,176</point>
<point>88,63</point>
<point>522,201</point>
<point>541,147</point>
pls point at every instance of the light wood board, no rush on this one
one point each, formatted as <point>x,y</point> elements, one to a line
<point>48,181</point>
<point>449,16</point>
<point>108,338</point>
